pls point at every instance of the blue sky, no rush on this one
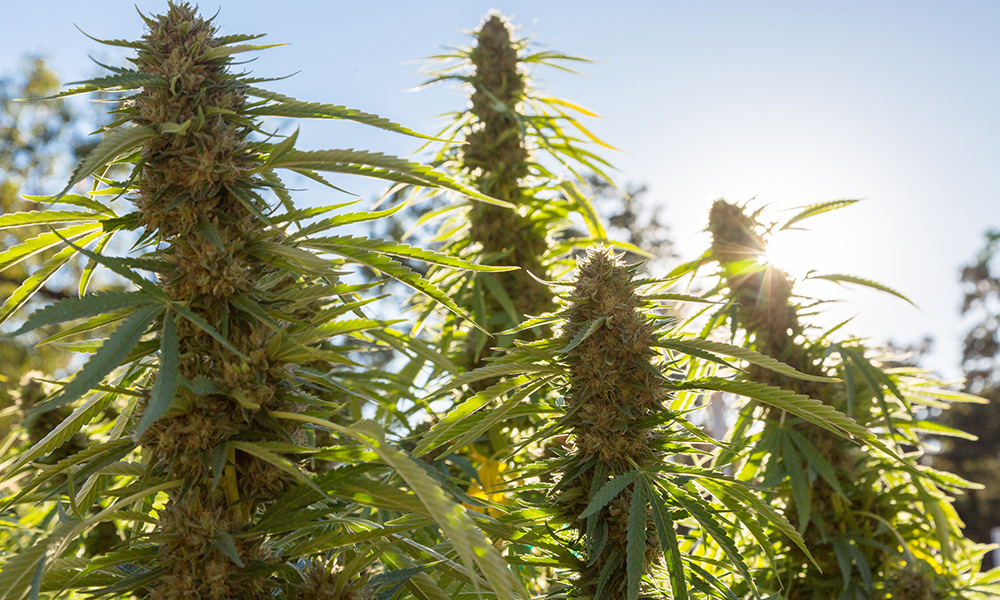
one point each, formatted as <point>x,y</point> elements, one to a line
<point>790,102</point>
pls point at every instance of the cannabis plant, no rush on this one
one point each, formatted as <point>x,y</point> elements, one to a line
<point>878,523</point>
<point>225,359</point>
<point>516,139</point>
<point>633,507</point>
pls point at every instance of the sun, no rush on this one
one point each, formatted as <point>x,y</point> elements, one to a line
<point>791,252</point>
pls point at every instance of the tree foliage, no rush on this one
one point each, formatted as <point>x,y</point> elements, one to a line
<point>38,141</point>
<point>977,456</point>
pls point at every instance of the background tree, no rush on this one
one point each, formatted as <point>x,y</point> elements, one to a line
<point>979,460</point>
<point>635,218</point>
<point>39,141</point>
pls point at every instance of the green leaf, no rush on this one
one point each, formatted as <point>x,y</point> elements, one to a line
<point>165,387</point>
<point>206,327</point>
<point>586,209</point>
<point>32,284</point>
<point>123,80</point>
<point>377,495</point>
<point>294,258</point>
<point>387,266</point>
<point>421,348</point>
<point>751,356</point>
<point>668,543</point>
<point>279,461</point>
<point>15,578</point>
<point>466,538</point>
<point>500,295</point>
<point>62,432</point>
<point>95,322</point>
<point>115,144</point>
<point>421,585</point>
<point>340,539</point>
<point>284,106</point>
<point>17,573</point>
<point>767,512</point>
<point>533,322</point>
<point>91,267</point>
<point>379,166</point>
<point>174,128</point>
<point>804,407</point>
<point>941,429</point>
<point>816,460</point>
<point>702,512</point>
<point>604,577</point>
<point>703,579</point>
<point>797,478</point>
<point>42,242</point>
<point>457,422</point>
<point>675,297</point>
<point>224,542</point>
<point>816,209</point>
<point>864,569</point>
<point>391,248</point>
<point>491,371</point>
<point>92,204</point>
<point>636,545</point>
<point>40,217</point>
<point>949,395</point>
<point>282,148</point>
<point>585,332</point>
<point>120,266</point>
<point>839,278</point>
<point>224,51</point>
<point>105,360</point>
<point>69,309</point>
<point>608,492</point>
<point>483,421</point>
<point>137,45</point>
<point>843,560</point>
<point>299,214</point>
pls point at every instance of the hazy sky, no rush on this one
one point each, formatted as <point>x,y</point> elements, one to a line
<point>791,102</point>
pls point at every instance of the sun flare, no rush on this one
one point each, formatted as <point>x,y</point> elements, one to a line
<point>791,253</point>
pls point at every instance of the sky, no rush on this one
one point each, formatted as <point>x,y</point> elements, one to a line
<point>786,103</point>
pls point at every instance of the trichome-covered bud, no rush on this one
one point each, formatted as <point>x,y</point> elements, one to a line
<point>496,146</point>
<point>194,185</point>
<point>325,580</point>
<point>760,291</point>
<point>615,392</point>
<point>497,159</point>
